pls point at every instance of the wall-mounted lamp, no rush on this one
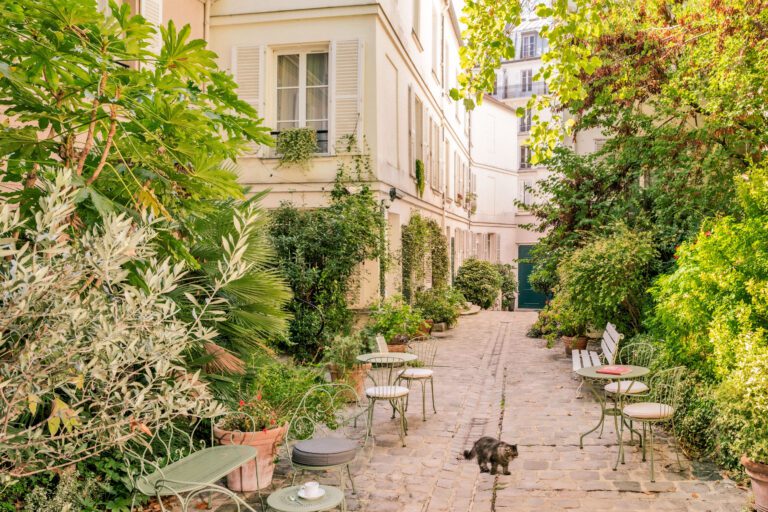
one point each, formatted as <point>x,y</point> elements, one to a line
<point>395,194</point>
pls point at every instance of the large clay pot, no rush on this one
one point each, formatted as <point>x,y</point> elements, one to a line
<point>759,474</point>
<point>355,378</point>
<point>243,479</point>
<point>396,348</point>
<point>574,342</point>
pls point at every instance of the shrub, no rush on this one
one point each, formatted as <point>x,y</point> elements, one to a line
<point>479,281</point>
<point>91,359</point>
<point>394,317</point>
<point>342,352</point>
<point>296,146</point>
<point>424,246</point>
<point>713,313</point>
<point>606,280</point>
<point>440,304</point>
<point>508,286</point>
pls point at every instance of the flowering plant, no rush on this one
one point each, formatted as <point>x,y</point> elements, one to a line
<point>252,416</point>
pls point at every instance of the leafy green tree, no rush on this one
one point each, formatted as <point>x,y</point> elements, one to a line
<point>142,132</point>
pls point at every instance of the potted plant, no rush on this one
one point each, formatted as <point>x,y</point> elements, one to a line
<point>397,321</point>
<point>257,423</point>
<point>571,325</point>
<point>341,359</point>
<point>441,305</point>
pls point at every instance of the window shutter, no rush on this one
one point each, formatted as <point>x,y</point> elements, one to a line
<point>152,11</point>
<point>248,70</point>
<point>347,80</point>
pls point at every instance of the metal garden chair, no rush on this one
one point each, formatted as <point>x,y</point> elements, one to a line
<point>420,370</point>
<point>384,376</point>
<point>638,354</point>
<point>657,406</point>
<point>327,431</point>
<point>173,462</point>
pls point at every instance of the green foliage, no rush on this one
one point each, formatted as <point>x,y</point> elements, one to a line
<point>319,251</point>
<point>712,311</point>
<point>394,317</point>
<point>156,136</point>
<point>296,146</point>
<point>424,246</point>
<point>89,355</point>
<point>421,179</point>
<point>606,280</point>
<point>479,281</point>
<point>67,497</point>
<point>442,304</point>
<point>342,352</point>
<point>508,285</point>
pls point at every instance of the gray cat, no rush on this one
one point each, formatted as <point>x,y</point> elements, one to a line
<point>498,453</point>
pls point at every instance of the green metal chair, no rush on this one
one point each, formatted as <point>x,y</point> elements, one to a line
<point>384,376</point>
<point>173,462</point>
<point>638,354</point>
<point>327,431</point>
<point>420,370</point>
<point>657,406</point>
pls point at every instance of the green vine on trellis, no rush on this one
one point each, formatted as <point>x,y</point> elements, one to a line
<point>424,246</point>
<point>421,178</point>
<point>296,146</point>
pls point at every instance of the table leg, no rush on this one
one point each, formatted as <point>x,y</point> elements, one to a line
<point>601,400</point>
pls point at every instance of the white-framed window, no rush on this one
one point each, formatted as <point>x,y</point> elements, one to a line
<point>529,44</point>
<point>418,131</point>
<point>526,80</point>
<point>526,192</point>
<point>526,121</point>
<point>436,46</point>
<point>525,157</point>
<point>417,20</point>
<point>303,92</point>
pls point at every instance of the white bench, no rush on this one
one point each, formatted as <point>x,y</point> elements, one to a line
<point>609,349</point>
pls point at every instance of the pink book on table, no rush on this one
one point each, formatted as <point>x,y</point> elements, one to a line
<point>614,370</point>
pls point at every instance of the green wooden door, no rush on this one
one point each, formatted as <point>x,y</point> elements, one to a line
<point>528,298</point>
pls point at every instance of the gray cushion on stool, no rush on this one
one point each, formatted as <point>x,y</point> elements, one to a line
<point>325,451</point>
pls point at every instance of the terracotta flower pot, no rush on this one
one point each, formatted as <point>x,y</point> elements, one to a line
<point>574,342</point>
<point>243,479</point>
<point>396,348</point>
<point>758,472</point>
<point>355,378</point>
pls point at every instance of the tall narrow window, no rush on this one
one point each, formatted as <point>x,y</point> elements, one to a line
<point>302,94</point>
<point>436,46</point>
<point>525,157</point>
<point>529,46</point>
<point>417,19</point>
<point>418,132</point>
<point>526,121</point>
<point>526,80</point>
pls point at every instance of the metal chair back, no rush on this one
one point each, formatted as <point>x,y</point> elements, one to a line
<point>329,410</point>
<point>383,375</point>
<point>425,348</point>
<point>381,344</point>
<point>638,354</point>
<point>667,386</point>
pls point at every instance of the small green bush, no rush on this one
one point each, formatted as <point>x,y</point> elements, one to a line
<point>296,146</point>
<point>606,280</point>
<point>440,304</point>
<point>393,317</point>
<point>508,285</point>
<point>479,281</point>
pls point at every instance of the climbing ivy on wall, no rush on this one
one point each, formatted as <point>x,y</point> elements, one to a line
<point>424,246</point>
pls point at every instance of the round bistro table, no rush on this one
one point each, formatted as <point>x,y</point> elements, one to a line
<point>390,357</point>
<point>287,500</point>
<point>591,373</point>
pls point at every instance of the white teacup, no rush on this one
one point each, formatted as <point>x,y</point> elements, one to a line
<point>311,489</point>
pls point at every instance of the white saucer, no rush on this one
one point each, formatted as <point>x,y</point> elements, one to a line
<point>311,498</point>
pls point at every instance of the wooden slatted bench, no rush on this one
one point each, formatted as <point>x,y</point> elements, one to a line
<point>609,347</point>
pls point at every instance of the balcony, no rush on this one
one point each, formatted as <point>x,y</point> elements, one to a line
<point>520,90</point>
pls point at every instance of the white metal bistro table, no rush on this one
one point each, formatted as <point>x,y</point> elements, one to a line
<point>592,373</point>
<point>288,500</point>
<point>389,357</point>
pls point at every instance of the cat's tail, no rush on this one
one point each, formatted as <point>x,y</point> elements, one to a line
<point>469,454</point>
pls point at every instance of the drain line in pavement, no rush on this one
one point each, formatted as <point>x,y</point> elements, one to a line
<point>500,429</point>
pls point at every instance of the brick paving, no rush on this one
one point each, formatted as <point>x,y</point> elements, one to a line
<point>490,379</point>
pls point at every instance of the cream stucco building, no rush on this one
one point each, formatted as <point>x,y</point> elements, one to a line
<point>381,70</point>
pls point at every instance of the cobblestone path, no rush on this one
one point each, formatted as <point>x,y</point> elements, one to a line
<point>492,380</point>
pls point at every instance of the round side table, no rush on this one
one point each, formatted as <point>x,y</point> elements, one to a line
<point>287,500</point>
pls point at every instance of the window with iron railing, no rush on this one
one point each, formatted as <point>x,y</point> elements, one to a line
<point>522,90</point>
<point>302,94</point>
